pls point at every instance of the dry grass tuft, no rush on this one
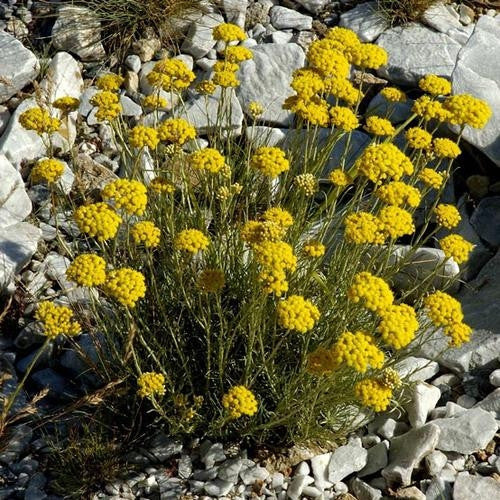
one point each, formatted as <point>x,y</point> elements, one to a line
<point>403,11</point>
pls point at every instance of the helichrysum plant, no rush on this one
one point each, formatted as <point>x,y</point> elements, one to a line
<point>248,288</point>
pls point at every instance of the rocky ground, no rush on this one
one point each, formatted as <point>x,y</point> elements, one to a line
<point>445,445</point>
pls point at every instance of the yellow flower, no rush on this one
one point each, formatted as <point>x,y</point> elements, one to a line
<point>98,220</point>
<point>307,82</point>
<point>171,75</point>
<point>392,94</point>
<point>147,233</point>
<point>418,138</point>
<point>141,136</point>
<point>39,120</point>
<point>108,105</point>
<point>225,66</point>
<point>211,280</point>
<point>444,148</point>
<point>281,217</point>
<point>443,309</point>
<point>66,104</point>
<point>396,221</point>
<point>431,178</point>
<point>161,185</point>
<point>206,87</point>
<point>313,248</point>
<point>254,232</point>
<point>459,333</point>
<point>176,131</point>
<point>447,216</point>
<point>126,286</point>
<point>225,79</point>
<point>57,320</point>
<point>398,193</point>
<point>87,269</point>
<point>372,292</point>
<point>297,313</point>
<point>275,256</point>
<point>129,195</point>
<point>326,59</point>
<point>306,183</point>
<point>339,178</point>
<point>363,227</point>
<point>270,161</point>
<point>428,109</point>
<point>49,170</point>
<point>110,82</point>
<point>314,110</point>
<point>390,378</point>
<point>344,36</point>
<point>357,350</point>
<point>343,118</point>
<point>255,109</point>
<point>383,161</point>
<point>398,325</point>
<point>228,32</point>
<point>207,159</point>
<point>456,247</point>
<point>154,101</point>
<point>191,240</point>
<point>369,56</point>
<point>321,361</point>
<point>239,401</point>
<point>273,281</point>
<point>377,125</point>
<point>150,384</point>
<point>373,394</point>
<point>343,89</point>
<point>435,85</point>
<point>238,54</point>
<point>465,109</point>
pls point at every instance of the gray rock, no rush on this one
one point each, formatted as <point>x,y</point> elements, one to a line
<point>250,474</point>
<point>283,18</point>
<point>441,17</point>
<point>199,39</point>
<point>58,386</point>
<point>470,431</point>
<point>266,79</point>
<point>366,20</point>
<point>435,462</point>
<point>398,111</point>
<point>466,401</point>
<point>229,470</point>
<point>416,51</point>
<point>423,399</point>
<point>495,378</point>
<point>391,428</point>
<point>17,440</point>
<point>466,14</point>
<point>235,11</point>
<point>486,220</point>
<point>19,66</point>
<point>376,460</point>
<point>407,451</point>
<point>185,467</point>
<point>416,369</point>
<point>133,62</point>
<point>163,447</point>
<point>210,454</point>
<point>4,118</point>
<point>78,30</point>
<point>145,48</point>
<point>80,360</point>
<point>319,466</point>
<point>311,491</point>
<point>296,487</point>
<point>281,37</point>
<point>345,460</point>
<point>261,135</point>
<point>15,204</point>
<point>218,488</point>
<point>491,403</point>
<point>477,72</point>
<point>364,491</point>
<point>467,487</point>
<point>314,6</point>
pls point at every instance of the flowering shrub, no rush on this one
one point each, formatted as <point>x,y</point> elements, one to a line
<point>251,282</point>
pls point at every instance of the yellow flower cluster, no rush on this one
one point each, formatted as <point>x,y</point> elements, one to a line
<point>306,183</point>
<point>150,384</point>
<point>207,159</point>
<point>371,291</point>
<point>49,170</point>
<point>281,217</point>
<point>418,138</point>
<point>297,313</point>
<point>237,54</point>
<point>444,148</point>
<point>435,85</point>
<point>383,161</point>
<point>98,220</point>
<point>191,240</point>
<point>398,193</point>
<point>373,394</point>
<point>390,378</point>
<point>393,94</point>
<point>129,195</point>
<point>363,227</point>
<point>357,350</point>
<point>458,333</point>
<point>87,269</point>
<point>270,161</point>
<point>447,215</point>
<point>339,178</point>
<point>431,178</point>
<point>108,105</point>
<point>141,136</point>
<point>206,87</point>
<point>161,185</point>
<point>110,81</point>
<point>225,79</point>
<point>255,232</point>
<point>211,280</point>
<point>66,104</point>
<point>57,320</point>
<point>398,325</point>
<point>465,109</point>
<point>313,248</point>
<point>456,247</point>
<point>39,120</point>
<point>343,118</point>
<point>255,109</point>
<point>147,233</point>
<point>176,131</point>
<point>125,285</point>
<point>228,32</point>
<point>239,401</point>
<point>324,56</point>
<point>315,111</point>
<point>369,56</point>
<point>428,109</point>
<point>344,90</point>
<point>377,125</point>
<point>306,83</point>
<point>395,221</point>
<point>172,75</point>
<point>321,361</point>
<point>154,101</point>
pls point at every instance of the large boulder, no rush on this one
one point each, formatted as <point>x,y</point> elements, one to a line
<point>18,68</point>
<point>15,204</point>
<point>199,39</point>
<point>366,20</point>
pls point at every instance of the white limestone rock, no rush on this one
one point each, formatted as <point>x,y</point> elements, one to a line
<point>283,18</point>
<point>467,487</point>
<point>423,399</point>
<point>441,17</point>
<point>15,204</point>
<point>415,369</point>
<point>235,11</point>
<point>199,39</point>
<point>366,20</point>
<point>345,460</point>
<point>314,6</point>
